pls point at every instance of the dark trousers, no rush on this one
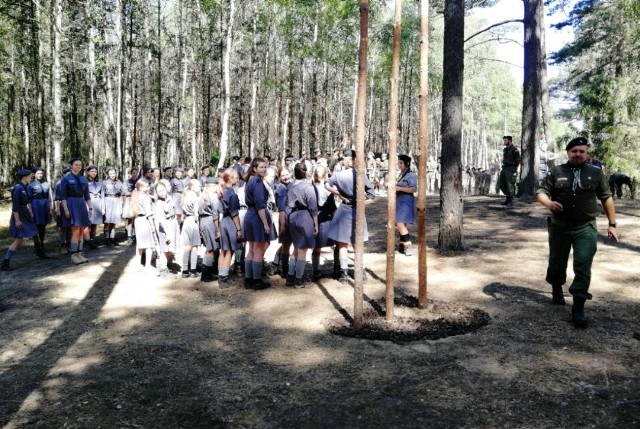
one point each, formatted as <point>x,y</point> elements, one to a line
<point>583,239</point>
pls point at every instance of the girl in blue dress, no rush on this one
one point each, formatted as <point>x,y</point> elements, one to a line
<point>230,227</point>
<point>405,202</point>
<point>21,224</point>
<point>41,203</point>
<point>258,226</point>
<point>302,223</point>
<point>76,206</point>
<point>284,238</point>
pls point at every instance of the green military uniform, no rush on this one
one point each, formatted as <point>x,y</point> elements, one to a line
<point>577,188</point>
<point>510,162</point>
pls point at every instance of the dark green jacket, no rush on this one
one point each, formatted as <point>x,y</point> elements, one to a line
<point>510,156</point>
<point>580,205</point>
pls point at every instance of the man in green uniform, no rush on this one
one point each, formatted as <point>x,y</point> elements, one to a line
<point>510,162</point>
<point>570,192</point>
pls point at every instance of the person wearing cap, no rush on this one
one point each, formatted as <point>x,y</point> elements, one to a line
<point>76,206</point>
<point>343,224</point>
<point>21,223</point>
<point>510,163</point>
<point>41,203</point>
<point>406,186</point>
<point>571,192</point>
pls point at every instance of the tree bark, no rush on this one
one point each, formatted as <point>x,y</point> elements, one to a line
<point>450,231</point>
<point>224,136</point>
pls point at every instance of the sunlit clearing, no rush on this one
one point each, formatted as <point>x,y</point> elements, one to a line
<point>73,365</point>
<point>77,291</point>
<point>136,289</point>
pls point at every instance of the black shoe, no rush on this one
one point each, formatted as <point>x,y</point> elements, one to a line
<point>336,273</point>
<point>290,280</point>
<point>5,266</point>
<point>344,276</point>
<point>557,295</point>
<point>114,242</point>
<point>224,282</point>
<point>577,313</point>
<point>186,274</point>
<point>107,242</point>
<point>40,254</point>
<point>259,284</point>
<point>248,283</point>
<point>194,274</point>
<point>91,245</point>
<point>299,283</point>
<point>207,275</point>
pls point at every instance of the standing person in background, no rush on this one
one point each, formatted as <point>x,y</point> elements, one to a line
<point>284,237</point>
<point>343,224</point>
<point>384,174</point>
<point>167,173</point>
<point>142,210</point>
<point>406,186</point>
<point>571,192</point>
<point>76,207</point>
<point>177,188</point>
<point>258,226</point>
<point>112,192</point>
<point>510,163</point>
<point>230,227</point>
<point>617,180</point>
<point>129,218</point>
<point>41,203</point>
<point>302,222</point>
<point>167,227</point>
<point>21,224</point>
<point>190,234</point>
<point>205,171</point>
<point>327,207</point>
<point>63,231</point>
<point>209,229</point>
<point>97,214</point>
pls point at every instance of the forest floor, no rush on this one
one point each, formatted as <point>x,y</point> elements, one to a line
<point>102,345</point>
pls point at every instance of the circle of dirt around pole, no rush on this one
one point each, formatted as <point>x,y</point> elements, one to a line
<point>441,320</point>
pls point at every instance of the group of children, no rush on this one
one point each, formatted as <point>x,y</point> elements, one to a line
<point>233,215</point>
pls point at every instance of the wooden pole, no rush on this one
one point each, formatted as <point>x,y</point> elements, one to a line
<point>360,165</point>
<point>393,161</point>
<point>423,144</point>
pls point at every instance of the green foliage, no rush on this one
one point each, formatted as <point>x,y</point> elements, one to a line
<point>215,157</point>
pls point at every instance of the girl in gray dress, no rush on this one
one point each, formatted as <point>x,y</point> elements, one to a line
<point>112,191</point>
<point>190,234</point>
<point>209,228</point>
<point>405,202</point>
<point>167,227</point>
<point>327,207</point>
<point>142,210</point>
<point>96,217</point>
<point>302,222</point>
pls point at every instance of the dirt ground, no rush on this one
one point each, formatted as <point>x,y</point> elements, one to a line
<point>104,346</point>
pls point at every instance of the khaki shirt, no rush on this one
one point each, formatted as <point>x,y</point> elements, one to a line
<point>580,205</point>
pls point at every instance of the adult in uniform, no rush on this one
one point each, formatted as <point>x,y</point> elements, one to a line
<point>230,226</point>
<point>21,223</point>
<point>41,203</point>
<point>258,225</point>
<point>112,191</point>
<point>302,222</point>
<point>510,162</point>
<point>571,192</point>
<point>343,224</point>
<point>406,186</point>
<point>76,207</point>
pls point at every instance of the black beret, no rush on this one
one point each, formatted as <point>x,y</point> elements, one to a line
<point>24,172</point>
<point>236,158</point>
<point>349,153</point>
<point>167,169</point>
<point>203,167</point>
<point>405,158</point>
<point>508,137</point>
<point>578,141</point>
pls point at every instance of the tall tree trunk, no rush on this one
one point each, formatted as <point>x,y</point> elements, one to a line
<point>58,124</point>
<point>450,232</point>
<point>423,151</point>
<point>393,159</point>
<point>360,165</point>
<point>224,136</point>
<point>531,98</point>
<point>544,90</point>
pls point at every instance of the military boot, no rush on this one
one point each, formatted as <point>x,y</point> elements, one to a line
<point>558,296</point>
<point>577,312</point>
<point>5,266</point>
